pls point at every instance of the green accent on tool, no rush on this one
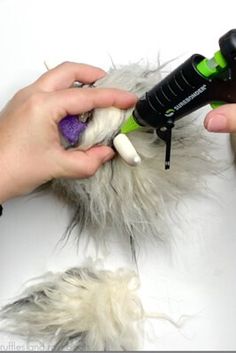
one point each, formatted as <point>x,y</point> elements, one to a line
<point>130,125</point>
<point>213,66</point>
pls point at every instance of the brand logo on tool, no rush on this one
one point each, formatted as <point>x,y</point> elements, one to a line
<point>170,112</point>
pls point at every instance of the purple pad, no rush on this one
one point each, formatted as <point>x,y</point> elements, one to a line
<point>70,127</point>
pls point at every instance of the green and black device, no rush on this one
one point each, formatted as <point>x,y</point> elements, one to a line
<point>195,83</point>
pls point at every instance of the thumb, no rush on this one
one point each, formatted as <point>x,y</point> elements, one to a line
<point>222,119</point>
<point>83,164</point>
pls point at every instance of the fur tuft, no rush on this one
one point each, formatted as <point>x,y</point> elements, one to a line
<point>136,201</point>
<point>82,309</point>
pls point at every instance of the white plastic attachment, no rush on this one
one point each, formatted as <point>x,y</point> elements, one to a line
<point>126,150</point>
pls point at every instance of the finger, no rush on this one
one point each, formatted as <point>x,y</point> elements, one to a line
<point>75,100</point>
<point>222,119</point>
<point>83,164</point>
<point>64,75</point>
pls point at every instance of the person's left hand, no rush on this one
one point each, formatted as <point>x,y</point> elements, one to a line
<point>30,149</point>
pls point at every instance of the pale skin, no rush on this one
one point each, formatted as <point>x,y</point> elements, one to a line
<point>30,150</point>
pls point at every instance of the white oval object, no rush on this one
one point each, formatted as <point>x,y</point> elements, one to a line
<point>126,150</point>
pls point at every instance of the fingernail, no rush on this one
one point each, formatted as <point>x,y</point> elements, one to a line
<point>216,123</point>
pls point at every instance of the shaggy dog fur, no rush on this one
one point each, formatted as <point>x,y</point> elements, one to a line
<point>134,200</point>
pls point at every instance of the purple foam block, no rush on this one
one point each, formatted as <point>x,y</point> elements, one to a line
<point>70,127</point>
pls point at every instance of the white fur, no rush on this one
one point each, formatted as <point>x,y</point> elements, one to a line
<point>102,127</point>
<point>81,309</point>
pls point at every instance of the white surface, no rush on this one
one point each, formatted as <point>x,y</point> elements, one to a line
<point>197,277</point>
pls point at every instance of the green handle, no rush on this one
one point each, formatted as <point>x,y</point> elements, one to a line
<point>130,125</point>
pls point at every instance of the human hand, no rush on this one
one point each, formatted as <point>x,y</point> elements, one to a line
<point>30,149</point>
<point>222,119</point>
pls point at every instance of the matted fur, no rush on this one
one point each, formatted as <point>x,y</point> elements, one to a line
<point>82,309</point>
<point>136,201</point>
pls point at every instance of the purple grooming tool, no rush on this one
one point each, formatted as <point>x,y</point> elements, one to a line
<point>71,128</point>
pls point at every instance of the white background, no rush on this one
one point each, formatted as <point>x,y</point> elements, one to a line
<point>197,277</point>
